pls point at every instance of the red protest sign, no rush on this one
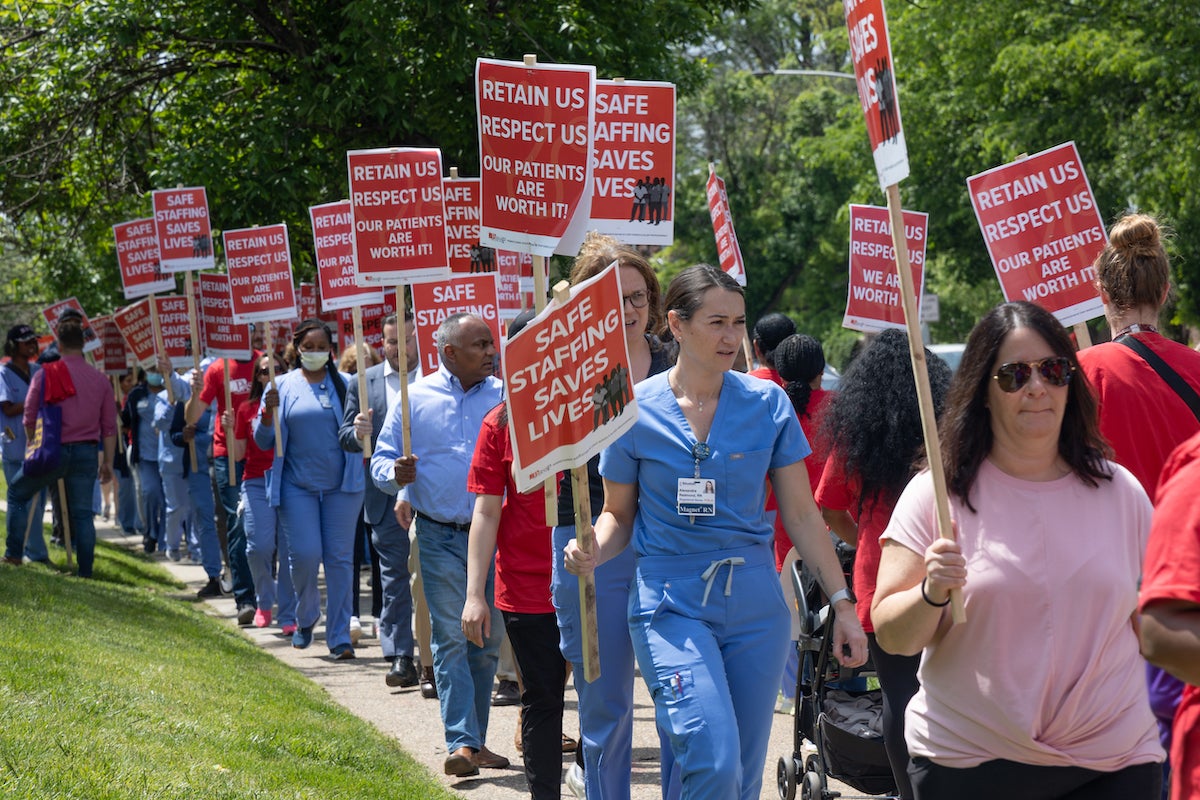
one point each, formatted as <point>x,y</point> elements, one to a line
<point>399,221</point>
<point>729,252</point>
<point>515,273</point>
<point>871,51</point>
<point>112,357</point>
<point>372,322</point>
<point>260,273</point>
<point>137,259</point>
<point>873,295</point>
<point>176,330</point>
<point>566,377</point>
<point>223,338</point>
<point>433,302</point>
<point>138,331</point>
<point>634,162</point>
<point>182,227</point>
<point>461,197</point>
<point>333,240</point>
<point>1043,231</point>
<point>91,339</point>
<point>308,300</point>
<point>535,147</point>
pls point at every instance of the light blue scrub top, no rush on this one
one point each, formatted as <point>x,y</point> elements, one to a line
<point>315,459</point>
<point>754,430</point>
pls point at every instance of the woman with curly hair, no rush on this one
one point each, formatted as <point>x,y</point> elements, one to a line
<point>873,430</point>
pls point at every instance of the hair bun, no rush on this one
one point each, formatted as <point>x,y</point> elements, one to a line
<point>1137,235</point>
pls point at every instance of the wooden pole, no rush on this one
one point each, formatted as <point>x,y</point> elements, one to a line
<point>229,429</point>
<point>405,411</point>
<point>916,350</point>
<point>160,349</point>
<point>64,513</point>
<point>360,352</point>
<point>539,304</point>
<point>189,290</point>
<point>1083,337</point>
<point>270,341</point>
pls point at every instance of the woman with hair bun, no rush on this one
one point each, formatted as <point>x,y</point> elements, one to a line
<point>317,487</point>
<point>1141,416</point>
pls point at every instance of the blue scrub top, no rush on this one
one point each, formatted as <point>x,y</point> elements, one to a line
<point>754,430</point>
<point>13,389</point>
<point>314,461</point>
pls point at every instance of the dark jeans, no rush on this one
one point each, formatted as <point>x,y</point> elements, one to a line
<point>229,495</point>
<point>1004,780</point>
<point>365,548</point>
<point>898,683</point>
<point>534,639</point>
<point>77,469</point>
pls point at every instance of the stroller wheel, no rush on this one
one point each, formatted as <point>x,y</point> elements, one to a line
<point>785,777</point>
<point>813,788</point>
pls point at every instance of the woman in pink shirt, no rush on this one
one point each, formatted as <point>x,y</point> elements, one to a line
<point>1040,693</point>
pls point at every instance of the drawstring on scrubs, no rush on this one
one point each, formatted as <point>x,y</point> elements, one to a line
<point>710,575</point>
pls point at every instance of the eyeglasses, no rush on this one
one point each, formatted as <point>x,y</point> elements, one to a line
<point>1055,371</point>
<point>638,299</point>
<point>262,372</point>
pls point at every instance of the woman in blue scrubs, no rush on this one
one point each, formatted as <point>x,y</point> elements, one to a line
<point>317,486</point>
<point>687,486</point>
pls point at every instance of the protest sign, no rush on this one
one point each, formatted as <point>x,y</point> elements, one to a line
<point>137,259</point>
<point>729,252</point>
<point>260,273</point>
<point>399,220</point>
<point>433,302</point>
<point>873,301</point>
<point>182,226</point>
<point>633,162</point>
<point>1043,231</point>
<point>461,197</point>
<point>52,313</point>
<point>515,274</point>
<point>535,148</point>
<point>372,323</point>
<point>175,325</point>
<point>871,52</point>
<point>567,381</point>
<point>333,240</point>
<point>112,356</point>
<point>138,331</point>
<point>223,338</point>
<point>308,300</point>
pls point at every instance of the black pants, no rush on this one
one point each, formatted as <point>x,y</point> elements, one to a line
<point>364,546</point>
<point>898,683</point>
<point>534,639</point>
<point>1005,780</point>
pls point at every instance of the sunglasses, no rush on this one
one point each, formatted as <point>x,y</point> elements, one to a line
<point>1055,371</point>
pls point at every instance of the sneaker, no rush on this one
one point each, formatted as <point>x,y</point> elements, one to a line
<point>342,652</point>
<point>105,513</point>
<point>174,555</point>
<point>576,783</point>
<point>262,618</point>
<point>288,629</point>
<point>356,630</point>
<point>210,589</point>
<point>506,694</point>
<point>302,638</point>
<point>245,613</point>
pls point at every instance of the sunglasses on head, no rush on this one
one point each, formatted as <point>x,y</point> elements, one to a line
<point>1055,371</point>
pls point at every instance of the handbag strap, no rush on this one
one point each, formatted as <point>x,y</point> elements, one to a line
<point>1173,379</point>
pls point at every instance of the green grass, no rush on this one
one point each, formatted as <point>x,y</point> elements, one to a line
<point>121,687</point>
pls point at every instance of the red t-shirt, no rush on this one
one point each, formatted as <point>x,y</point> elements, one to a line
<point>1142,417</point>
<point>258,461</point>
<point>768,374</point>
<point>814,463</point>
<point>839,493</point>
<point>523,546</point>
<point>241,374</point>
<point>1172,572</point>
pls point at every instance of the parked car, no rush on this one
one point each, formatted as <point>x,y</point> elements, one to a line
<point>950,353</point>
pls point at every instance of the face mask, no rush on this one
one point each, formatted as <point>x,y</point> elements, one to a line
<point>154,378</point>
<point>314,361</point>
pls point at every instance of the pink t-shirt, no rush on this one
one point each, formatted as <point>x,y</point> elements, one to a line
<point>90,414</point>
<point>1046,669</point>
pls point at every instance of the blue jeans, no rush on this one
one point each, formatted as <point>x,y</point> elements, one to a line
<point>235,530</point>
<point>151,501</point>
<point>265,537</point>
<point>204,522</point>
<point>35,541</point>
<point>463,672</point>
<point>78,469</point>
<point>395,619</point>
<point>319,528</point>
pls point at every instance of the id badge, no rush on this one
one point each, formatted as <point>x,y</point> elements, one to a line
<point>325,401</point>
<point>696,497</point>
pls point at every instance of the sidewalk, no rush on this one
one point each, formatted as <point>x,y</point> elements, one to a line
<point>415,722</point>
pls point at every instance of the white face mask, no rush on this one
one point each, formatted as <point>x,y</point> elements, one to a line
<point>313,361</point>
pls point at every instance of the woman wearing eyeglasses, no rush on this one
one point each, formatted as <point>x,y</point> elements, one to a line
<point>1040,693</point>
<point>685,488</point>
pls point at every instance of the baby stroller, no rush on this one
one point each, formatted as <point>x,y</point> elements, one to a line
<point>843,723</point>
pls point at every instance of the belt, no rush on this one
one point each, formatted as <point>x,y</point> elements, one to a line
<point>463,527</point>
<point>92,442</point>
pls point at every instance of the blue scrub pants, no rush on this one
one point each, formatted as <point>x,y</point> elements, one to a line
<point>395,617</point>
<point>319,527</point>
<point>462,672</point>
<point>204,521</point>
<point>35,542</point>
<point>711,634</point>
<point>127,514</point>
<point>239,569</point>
<point>265,537</point>
<point>78,468</point>
<point>178,505</point>
<point>606,704</point>
<point>151,501</point>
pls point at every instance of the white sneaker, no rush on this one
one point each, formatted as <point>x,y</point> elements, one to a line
<point>575,782</point>
<point>356,630</point>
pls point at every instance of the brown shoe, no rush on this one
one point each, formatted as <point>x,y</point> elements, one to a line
<point>488,760</point>
<point>461,763</point>
<point>428,685</point>
<point>569,745</point>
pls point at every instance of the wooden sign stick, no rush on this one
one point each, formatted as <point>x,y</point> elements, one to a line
<point>539,304</point>
<point>360,354</point>
<point>189,290</point>
<point>271,374</point>
<point>916,350</point>
<point>229,429</point>
<point>160,349</point>
<point>405,411</point>
<point>64,514</point>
